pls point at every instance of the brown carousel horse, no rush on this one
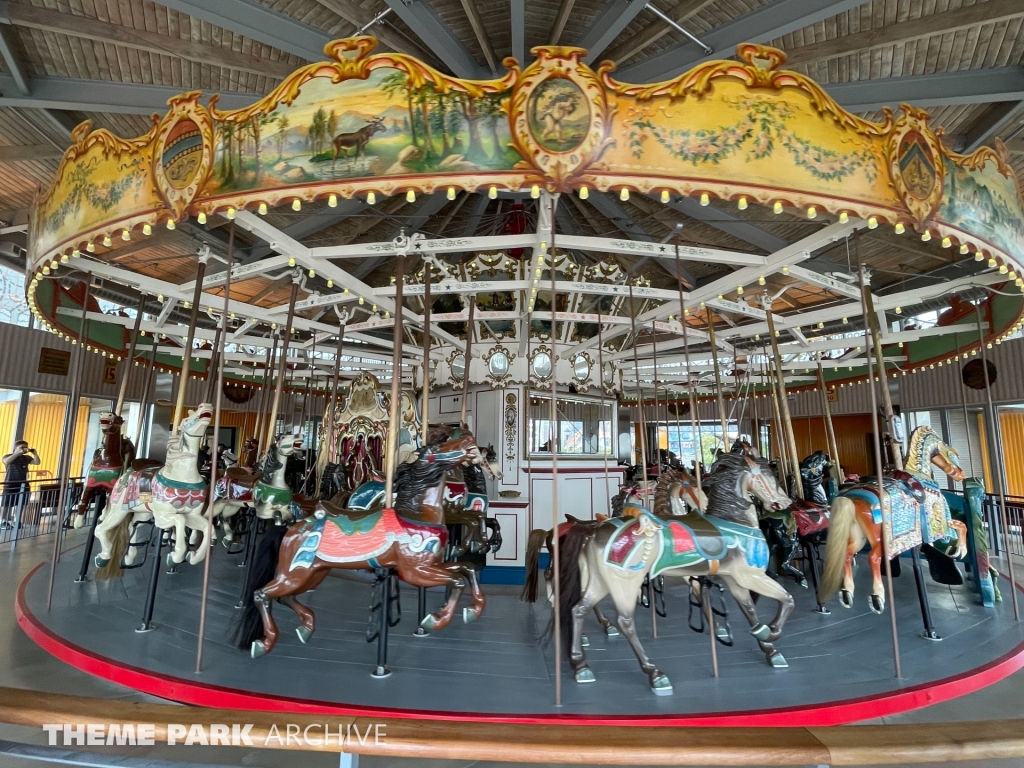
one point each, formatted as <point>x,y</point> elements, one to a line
<point>409,538</point>
<point>108,462</point>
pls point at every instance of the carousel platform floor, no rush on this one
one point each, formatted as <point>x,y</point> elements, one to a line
<point>499,668</point>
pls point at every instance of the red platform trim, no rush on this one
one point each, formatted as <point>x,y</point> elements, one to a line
<point>808,715</point>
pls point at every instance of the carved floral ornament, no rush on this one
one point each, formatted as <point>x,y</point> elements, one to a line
<point>723,129</point>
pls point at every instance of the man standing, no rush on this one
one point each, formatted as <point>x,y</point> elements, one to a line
<point>16,463</point>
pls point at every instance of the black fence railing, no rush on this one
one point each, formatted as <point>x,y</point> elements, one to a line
<point>31,509</point>
<point>1014,522</point>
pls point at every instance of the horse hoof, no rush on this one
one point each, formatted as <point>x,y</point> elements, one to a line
<point>101,562</point>
<point>584,641</point>
<point>612,632</point>
<point>304,634</point>
<point>585,675</point>
<point>468,617</point>
<point>876,604</point>
<point>803,583</point>
<point>761,632</point>
<point>171,562</point>
<point>79,521</point>
<point>258,649</point>
<point>724,635</point>
<point>661,685</point>
<point>778,661</point>
<point>428,622</point>
<point>845,599</point>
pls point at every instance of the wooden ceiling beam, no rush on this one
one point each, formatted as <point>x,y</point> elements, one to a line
<point>633,44</point>
<point>560,20</point>
<point>18,154</point>
<point>30,17</point>
<point>925,26</point>
<point>360,17</point>
<point>469,6</point>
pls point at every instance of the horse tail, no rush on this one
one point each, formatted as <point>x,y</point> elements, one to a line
<point>248,625</point>
<point>533,547</point>
<point>840,528</point>
<point>118,546</point>
<point>570,578</point>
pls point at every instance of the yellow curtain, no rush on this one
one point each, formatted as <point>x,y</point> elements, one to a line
<point>8,415</point>
<point>1012,425</point>
<point>44,425</point>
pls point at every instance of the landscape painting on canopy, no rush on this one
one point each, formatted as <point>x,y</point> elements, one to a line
<point>986,203</point>
<point>381,126</point>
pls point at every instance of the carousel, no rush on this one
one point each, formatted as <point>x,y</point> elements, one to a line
<point>492,474</point>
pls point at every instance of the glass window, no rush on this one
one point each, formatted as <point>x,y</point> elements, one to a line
<point>13,306</point>
<point>88,436</point>
<point>584,426</point>
<point>683,441</point>
<point>10,400</point>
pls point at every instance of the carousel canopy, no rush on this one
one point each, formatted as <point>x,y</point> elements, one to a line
<point>739,186</point>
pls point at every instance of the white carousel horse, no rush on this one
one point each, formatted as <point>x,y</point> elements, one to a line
<point>271,497</point>
<point>172,495</point>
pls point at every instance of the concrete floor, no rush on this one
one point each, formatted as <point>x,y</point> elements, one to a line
<point>28,666</point>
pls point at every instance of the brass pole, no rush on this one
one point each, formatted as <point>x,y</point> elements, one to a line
<point>332,406</point>
<point>958,382</point>
<point>600,379</point>
<point>718,381</point>
<point>694,431</point>
<point>186,353</point>
<point>222,334</point>
<point>778,431</point>
<point>876,343</point>
<point>144,400</point>
<point>286,335</point>
<point>554,465</point>
<point>657,452</point>
<point>468,356</point>
<point>997,467</point>
<point>639,393</point>
<point>396,388</point>
<point>826,409</point>
<point>425,408</point>
<point>67,439</point>
<point>262,414</point>
<point>123,391</point>
<point>783,401</point>
<point>877,443</point>
<point>211,374</point>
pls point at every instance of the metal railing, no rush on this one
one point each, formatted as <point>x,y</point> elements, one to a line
<point>29,509</point>
<point>1014,521</point>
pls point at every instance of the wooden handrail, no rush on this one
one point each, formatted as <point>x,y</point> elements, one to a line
<point>554,743</point>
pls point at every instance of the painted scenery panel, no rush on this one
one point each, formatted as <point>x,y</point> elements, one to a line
<point>97,187</point>
<point>732,135</point>
<point>381,126</point>
<point>986,204</point>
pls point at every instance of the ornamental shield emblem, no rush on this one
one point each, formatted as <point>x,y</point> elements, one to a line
<point>182,154</point>
<point>560,116</point>
<point>915,164</point>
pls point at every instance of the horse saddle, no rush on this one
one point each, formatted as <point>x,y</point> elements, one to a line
<point>141,465</point>
<point>237,484</point>
<point>338,511</point>
<point>348,538</point>
<point>139,485</point>
<point>367,497</point>
<point>909,483</point>
<point>810,516</point>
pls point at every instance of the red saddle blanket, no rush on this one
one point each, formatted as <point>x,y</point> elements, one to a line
<point>342,539</point>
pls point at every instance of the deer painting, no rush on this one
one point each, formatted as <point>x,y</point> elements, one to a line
<point>357,139</point>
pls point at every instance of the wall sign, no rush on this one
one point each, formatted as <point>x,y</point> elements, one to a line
<point>54,361</point>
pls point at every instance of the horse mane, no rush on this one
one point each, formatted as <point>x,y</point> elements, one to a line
<point>720,486</point>
<point>916,448</point>
<point>476,481</point>
<point>271,463</point>
<point>663,492</point>
<point>413,479</point>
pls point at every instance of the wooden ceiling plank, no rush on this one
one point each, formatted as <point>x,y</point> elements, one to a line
<point>137,39</point>
<point>633,44</point>
<point>17,154</point>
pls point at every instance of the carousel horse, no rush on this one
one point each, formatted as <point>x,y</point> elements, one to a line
<point>915,512</point>
<point>108,462</point>
<point>804,523</point>
<point>615,557</point>
<point>172,495</point>
<point>968,509</point>
<point>674,490</point>
<point>410,538</point>
<point>238,487</point>
<point>271,496</point>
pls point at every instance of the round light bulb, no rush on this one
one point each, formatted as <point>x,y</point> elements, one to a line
<point>332,201</point>
<point>926,236</point>
<point>262,210</point>
<point>705,199</point>
<point>492,193</point>
<point>147,230</point>
<point>201,218</point>
<point>777,208</point>
<point>106,241</point>
<point>624,194</point>
<point>371,198</point>
<point>451,193</point>
<point>410,196</point>
<point>742,204</point>
<point>899,228</point>
<point>812,212</point>
<point>665,197</point>
<point>170,224</point>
